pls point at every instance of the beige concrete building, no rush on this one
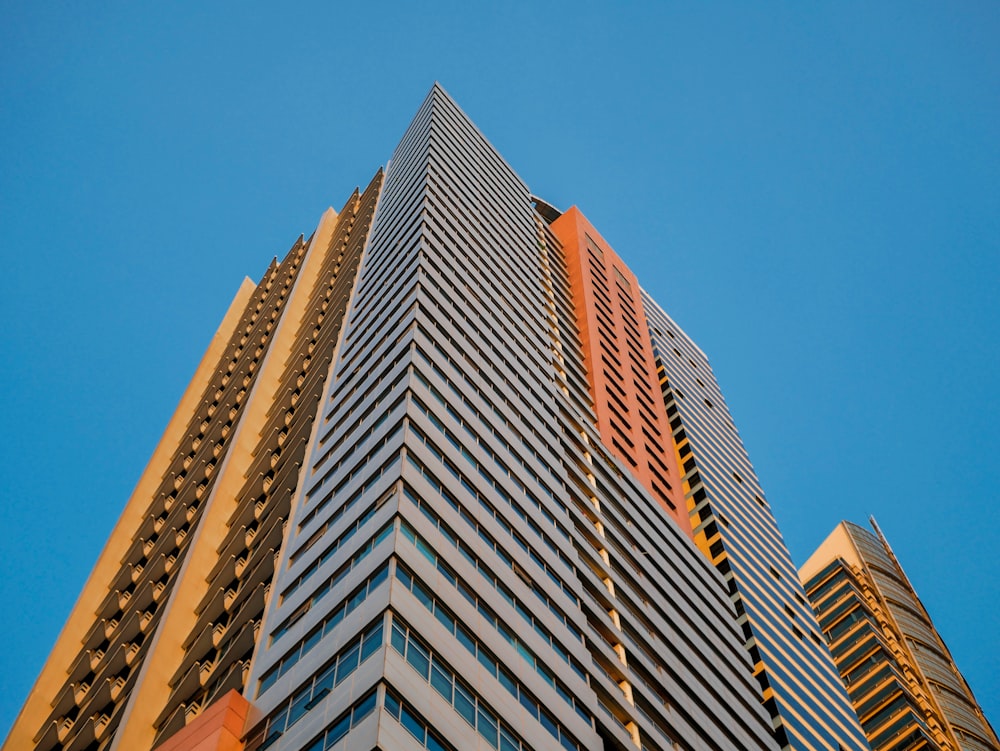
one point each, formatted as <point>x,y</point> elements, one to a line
<point>904,685</point>
<point>169,618</point>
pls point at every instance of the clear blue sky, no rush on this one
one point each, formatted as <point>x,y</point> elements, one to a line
<point>811,190</point>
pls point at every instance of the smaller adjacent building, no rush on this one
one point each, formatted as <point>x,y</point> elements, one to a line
<point>900,676</point>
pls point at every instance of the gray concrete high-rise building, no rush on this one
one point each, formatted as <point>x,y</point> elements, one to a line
<point>427,491</point>
<point>734,527</point>
<point>464,544</point>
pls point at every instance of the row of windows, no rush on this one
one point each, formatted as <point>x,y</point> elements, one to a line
<point>396,291</point>
<point>530,394</point>
<point>497,435</point>
<point>332,619</point>
<point>357,443</point>
<point>359,358</point>
<point>373,478</point>
<point>515,305</point>
<point>476,649</point>
<point>420,729</point>
<point>481,531</point>
<point>395,242</point>
<point>516,507</point>
<point>319,534</point>
<point>497,487</point>
<point>504,415</point>
<point>469,593</point>
<point>516,329</point>
<point>338,576</point>
<point>327,678</point>
<point>494,205</point>
<point>465,701</point>
<point>345,507</point>
<point>487,160</point>
<point>340,727</point>
<point>354,403</point>
<point>496,212</point>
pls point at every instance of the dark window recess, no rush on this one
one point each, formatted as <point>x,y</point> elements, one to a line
<point>689,465</point>
<point>781,736</point>
<point>716,549</point>
<point>762,680</point>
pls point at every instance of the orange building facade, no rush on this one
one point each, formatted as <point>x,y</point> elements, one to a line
<point>621,367</point>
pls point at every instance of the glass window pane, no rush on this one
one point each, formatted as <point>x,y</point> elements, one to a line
<point>358,598</point>
<point>392,705</point>
<point>404,577</point>
<point>298,707</point>
<point>372,641</point>
<point>465,705</point>
<point>347,663</point>
<point>380,576</point>
<point>433,743</point>
<point>548,723</point>
<point>507,741</point>
<point>507,682</point>
<point>423,595</point>
<point>267,682</point>
<point>465,638</point>
<point>338,731</point>
<point>427,550</point>
<point>417,657</point>
<point>325,679</point>
<point>441,681</point>
<point>364,708</point>
<point>446,620</point>
<point>311,640</point>
<point>487,726</point>
<point>530,704</point>
<point>334,621</point>
<point>487,662</point>
<point>398,638</point>
<point>413,724</point>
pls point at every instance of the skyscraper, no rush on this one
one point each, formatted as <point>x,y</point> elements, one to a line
<point>905,687</point>
<point>426,490</point>
<point>168,620</point>
<point>736,530</point>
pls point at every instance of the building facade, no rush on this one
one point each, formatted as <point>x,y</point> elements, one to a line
<point>432,487</point>
<point>902,681</point>
<point>168,620</point>
<point>734,527</point>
